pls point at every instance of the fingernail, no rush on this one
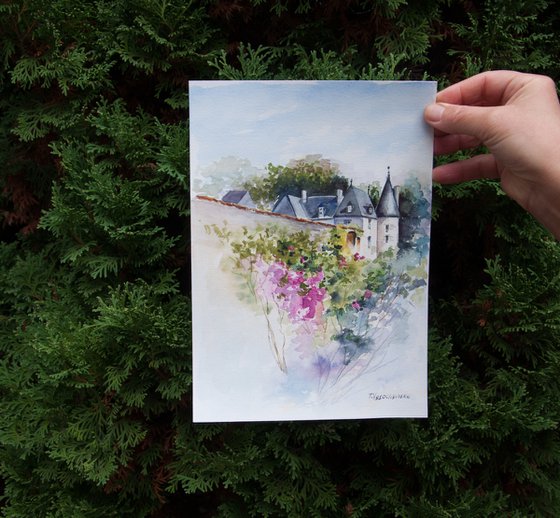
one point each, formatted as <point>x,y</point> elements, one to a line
<point>434,112</point>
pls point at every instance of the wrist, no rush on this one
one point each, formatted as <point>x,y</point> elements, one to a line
<point>544,205</point>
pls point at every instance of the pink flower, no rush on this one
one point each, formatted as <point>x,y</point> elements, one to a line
<point>313,299</point>
<point>302,298</point>
<point>358,257</point>
<point>356,305</point>
<point>368,294</point>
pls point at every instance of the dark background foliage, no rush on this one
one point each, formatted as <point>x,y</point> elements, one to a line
<point>95,395</point>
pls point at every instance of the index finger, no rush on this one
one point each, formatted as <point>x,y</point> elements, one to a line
<point>492,88</point>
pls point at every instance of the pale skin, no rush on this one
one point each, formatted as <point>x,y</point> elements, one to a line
<point>517,117</point>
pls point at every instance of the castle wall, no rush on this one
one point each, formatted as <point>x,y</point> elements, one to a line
<point>367,241</point>
<point>387,234</point>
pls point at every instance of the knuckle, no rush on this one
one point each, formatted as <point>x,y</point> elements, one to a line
<point>546,82</point>
<point>456,115</point>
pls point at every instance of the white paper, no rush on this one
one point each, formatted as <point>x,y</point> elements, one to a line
<point>309,305</point>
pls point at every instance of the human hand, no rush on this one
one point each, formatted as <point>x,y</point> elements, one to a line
<point>517,117</point>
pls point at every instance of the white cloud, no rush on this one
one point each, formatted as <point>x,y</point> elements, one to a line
<point>245,131</point>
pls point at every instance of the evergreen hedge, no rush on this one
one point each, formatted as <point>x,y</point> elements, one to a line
<point>95,395</point>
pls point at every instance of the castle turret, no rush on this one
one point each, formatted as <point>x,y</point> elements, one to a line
<point>387,218</point>
<point>356,210</point>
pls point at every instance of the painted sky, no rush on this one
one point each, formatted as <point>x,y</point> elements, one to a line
<point>364,126</point>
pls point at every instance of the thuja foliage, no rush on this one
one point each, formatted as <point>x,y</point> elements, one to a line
<point>95,371</point>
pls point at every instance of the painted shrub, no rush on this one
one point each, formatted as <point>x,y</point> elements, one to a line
<point>330,311</point>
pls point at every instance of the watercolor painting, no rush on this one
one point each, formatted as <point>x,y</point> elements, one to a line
<point>310,214</point>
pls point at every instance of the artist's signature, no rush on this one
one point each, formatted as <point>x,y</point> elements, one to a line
<point>379,397</point>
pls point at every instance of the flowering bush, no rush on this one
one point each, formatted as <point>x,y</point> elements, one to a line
<point>327,306</point>
<point>295,293</point>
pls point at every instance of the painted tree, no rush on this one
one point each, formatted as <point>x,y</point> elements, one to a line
<point>314,174</point>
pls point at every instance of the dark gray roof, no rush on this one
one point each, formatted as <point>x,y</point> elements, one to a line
<point>314,202</point>
<point>234,196</point>
<point>387,206</point>
<point>298,206</point>
<point>357,198</point>
<point>360,201</point>
<point>295,206</point>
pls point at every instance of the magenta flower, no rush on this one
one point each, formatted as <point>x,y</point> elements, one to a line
<point>300,296</point>
<point>368,294</point>
<point>356,305</point>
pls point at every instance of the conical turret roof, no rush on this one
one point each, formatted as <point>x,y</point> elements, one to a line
<point>387,206</point>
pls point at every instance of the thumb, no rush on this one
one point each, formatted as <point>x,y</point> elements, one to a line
<point>459,119</point>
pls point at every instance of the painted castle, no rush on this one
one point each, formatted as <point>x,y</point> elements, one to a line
<point>379,225</point>
<point>376,228</point>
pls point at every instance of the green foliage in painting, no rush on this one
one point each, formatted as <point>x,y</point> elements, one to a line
<point>95,368</point>
<point>315,174</point>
